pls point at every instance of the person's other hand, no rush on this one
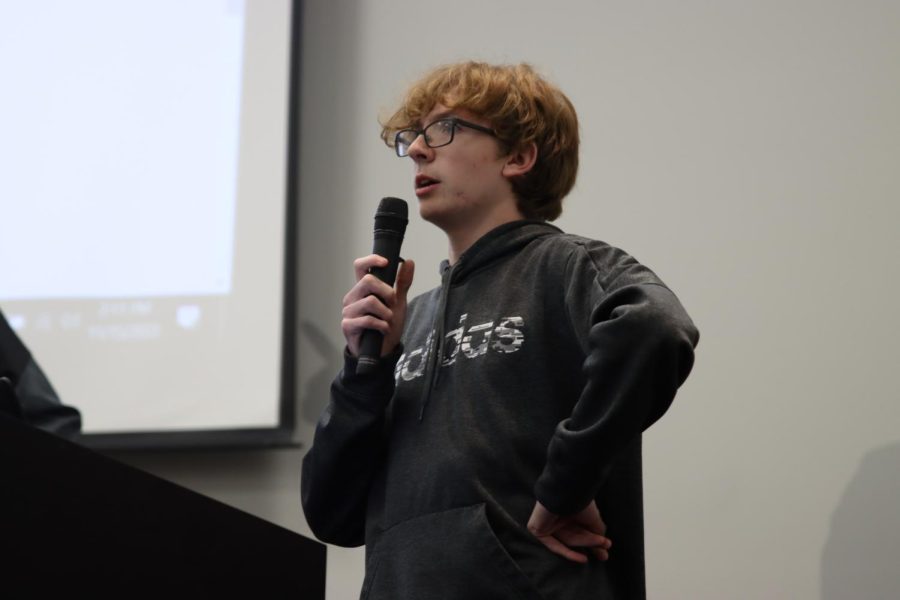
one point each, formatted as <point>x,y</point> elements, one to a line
<point>562,534</point>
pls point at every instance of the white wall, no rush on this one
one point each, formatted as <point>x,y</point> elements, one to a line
<point>746,151</point>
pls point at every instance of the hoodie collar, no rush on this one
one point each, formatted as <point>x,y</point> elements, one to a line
<point>498,242</point>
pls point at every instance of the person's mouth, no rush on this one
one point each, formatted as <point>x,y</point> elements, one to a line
<point>425,185</point>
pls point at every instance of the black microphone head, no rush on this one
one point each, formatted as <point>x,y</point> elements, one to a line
<point>392,207</point>
<point>391,217</point>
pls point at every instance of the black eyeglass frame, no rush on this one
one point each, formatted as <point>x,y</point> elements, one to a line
<point>456,122</point>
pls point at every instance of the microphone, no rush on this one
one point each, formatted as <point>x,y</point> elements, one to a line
<point>390,225</point>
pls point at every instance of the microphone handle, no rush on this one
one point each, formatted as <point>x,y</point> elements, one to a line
<point>387,244</point>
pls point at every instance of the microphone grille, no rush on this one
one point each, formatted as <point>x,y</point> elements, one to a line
<point>392,207</point>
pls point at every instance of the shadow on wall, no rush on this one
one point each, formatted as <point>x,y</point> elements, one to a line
<point>318,388</point>
<point>330,91</point>
<point>861,559</point>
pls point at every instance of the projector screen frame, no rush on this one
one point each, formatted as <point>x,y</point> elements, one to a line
<point>282,435</point>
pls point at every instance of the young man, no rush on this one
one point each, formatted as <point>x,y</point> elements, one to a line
<point>507,414</point>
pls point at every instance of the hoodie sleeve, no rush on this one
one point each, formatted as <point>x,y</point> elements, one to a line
<point>346,452</point>
<point>640,349</point>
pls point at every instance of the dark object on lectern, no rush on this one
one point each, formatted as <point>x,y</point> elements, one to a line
<point>9,404</point>
<point>76,520</point>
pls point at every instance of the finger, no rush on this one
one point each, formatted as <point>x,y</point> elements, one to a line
<point>369,285</point>
<point>405,278</point>
<point>579,537</point>
<point>354,327</point>
<point>370,305</point>
<point>557,547</point>
<point>600,554</point>
<point>362,265</point>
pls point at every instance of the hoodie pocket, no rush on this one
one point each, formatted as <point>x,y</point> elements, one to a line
<point>448,555</point>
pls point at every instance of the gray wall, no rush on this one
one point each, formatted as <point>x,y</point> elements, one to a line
<point>748,152</point>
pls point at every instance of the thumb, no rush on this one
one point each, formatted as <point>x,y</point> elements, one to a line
<point>405,278</point>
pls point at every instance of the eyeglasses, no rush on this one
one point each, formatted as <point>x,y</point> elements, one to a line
<point>436,134</point>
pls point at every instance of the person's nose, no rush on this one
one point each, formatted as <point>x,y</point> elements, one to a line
<point>419,150</point>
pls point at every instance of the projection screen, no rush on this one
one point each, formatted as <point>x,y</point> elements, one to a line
<point>147,183</point>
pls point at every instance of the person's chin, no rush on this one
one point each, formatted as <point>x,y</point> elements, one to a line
<point>430,210</point>
<point>426,212</point>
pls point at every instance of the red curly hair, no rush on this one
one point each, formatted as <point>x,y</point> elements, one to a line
<point>522,108</point>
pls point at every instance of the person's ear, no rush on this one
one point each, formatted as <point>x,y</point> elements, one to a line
<point>520,161</point>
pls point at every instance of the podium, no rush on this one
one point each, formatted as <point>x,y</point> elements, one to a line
<point>74,520</point>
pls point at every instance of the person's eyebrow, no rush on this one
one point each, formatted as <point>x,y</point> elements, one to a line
<point>444,114</point>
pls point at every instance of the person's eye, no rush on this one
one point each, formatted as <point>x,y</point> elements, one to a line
<point>407,136</point>
<point>447,125</point>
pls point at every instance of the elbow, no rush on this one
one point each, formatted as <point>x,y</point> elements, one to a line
<point>668,331</point>
<point>672,342</point>
<point>331,519</point>
<point>330,532</point>
<point>677,340</point>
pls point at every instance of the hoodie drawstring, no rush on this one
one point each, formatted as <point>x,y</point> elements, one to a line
<point>436,354</point>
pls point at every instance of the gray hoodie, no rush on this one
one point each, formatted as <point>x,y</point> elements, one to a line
<point>556,353</point>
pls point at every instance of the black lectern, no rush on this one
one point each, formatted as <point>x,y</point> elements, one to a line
<point>74,520</point>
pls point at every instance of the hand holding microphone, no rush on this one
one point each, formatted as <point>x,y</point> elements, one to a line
<point>374,310</point>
